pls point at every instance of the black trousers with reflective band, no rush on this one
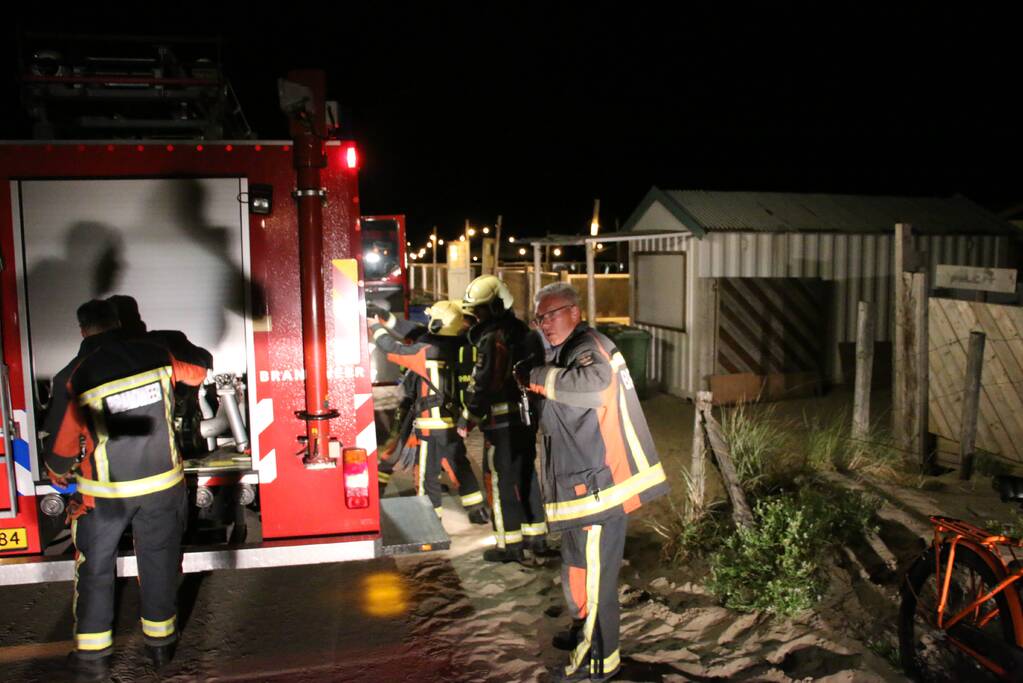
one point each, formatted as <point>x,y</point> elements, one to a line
<point>509,465</point>
<point>436,455</point>
<point>591,558</point>
<point>157,521</point>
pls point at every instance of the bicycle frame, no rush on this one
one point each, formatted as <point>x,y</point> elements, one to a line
<point>952,533</point>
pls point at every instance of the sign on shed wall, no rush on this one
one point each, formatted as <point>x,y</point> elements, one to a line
<point>983,279</point>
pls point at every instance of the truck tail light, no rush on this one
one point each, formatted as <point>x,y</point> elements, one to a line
<point>351,158</point>
<point>356,467</point>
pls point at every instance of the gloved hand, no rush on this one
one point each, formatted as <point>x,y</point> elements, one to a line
<point>520,371</point>
<point>61,480</point>
<point>464,426</point>
<point>378,308</point>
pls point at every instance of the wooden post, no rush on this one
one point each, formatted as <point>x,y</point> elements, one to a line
<point>971,403</point>
<point>741,512</point>
<point>591,285</point>
<point>436,271</point>
<point>537,281</point>
<point>864,372</point>
<point>900,264</point>
<point>697,475</point>
<point>497,248</point>
<point>919,384</point>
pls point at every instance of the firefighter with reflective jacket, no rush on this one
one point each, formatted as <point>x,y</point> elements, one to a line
<point>599,465</point>
<point>115,435</point>
<point>431,404</point>
<point>492,402</point>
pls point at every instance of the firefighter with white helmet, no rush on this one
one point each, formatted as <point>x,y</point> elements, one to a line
<point>431,404</point>
<point>492,398</point>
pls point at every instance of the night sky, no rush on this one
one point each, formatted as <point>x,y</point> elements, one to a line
<point>533,110</point>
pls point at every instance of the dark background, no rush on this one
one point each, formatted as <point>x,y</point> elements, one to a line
<point>533,110</point>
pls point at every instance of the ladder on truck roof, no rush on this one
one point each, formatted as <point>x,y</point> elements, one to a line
<point>85,87</point>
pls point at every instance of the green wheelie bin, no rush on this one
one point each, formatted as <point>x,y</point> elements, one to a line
<point>634,343</point>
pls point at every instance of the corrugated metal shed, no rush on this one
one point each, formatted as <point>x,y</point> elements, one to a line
<point>791,212</point>
<point>845,240</point>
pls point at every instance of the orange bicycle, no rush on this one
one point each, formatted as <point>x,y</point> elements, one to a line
<point>961,611</point>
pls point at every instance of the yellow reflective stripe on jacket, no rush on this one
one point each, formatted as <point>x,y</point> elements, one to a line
<point>94,641</point>
<point>500,409</point>
<point>472,499</point>
<point>158,629</point>
<point>130,489</point>
<point>380,332</point>
<point>606,499</point>
<point>433,423</point>
<point>391,321</point>
<point>635,447</point>
<point>96,395</point>
<point>434,366</point>
<point>99,453</point>
<point>617,361</point>
<point>549,381</point>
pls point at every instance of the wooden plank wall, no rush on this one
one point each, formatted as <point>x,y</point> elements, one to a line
<point>1000,424</point>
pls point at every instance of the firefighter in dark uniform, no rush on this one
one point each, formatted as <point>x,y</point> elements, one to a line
<point>432,402</point>
<point>599,465</point>
<point>114,435</point>
<point>492,402</point>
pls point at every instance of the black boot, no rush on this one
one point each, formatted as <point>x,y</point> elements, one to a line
<point>479,514</point>
<point>89,669</point>
<point>569,638</point>
<point>538,546</point>
<point>510,554</point>
<point>161,655</point>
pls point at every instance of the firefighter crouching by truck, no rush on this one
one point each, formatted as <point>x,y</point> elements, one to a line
<point>115,437</point>
<point>599,465</point>
<point>492,402</point>
<point>431,404</point>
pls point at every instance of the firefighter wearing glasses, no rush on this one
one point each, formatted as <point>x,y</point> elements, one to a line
<point>114,425</point>
<point>599,465</point>
<point>431,404</point>
<point>491,401</point>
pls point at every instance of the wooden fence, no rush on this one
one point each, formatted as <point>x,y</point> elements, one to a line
<point>1000,418</point>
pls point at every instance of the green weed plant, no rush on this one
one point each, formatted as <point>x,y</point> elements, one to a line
<point>776,565</point>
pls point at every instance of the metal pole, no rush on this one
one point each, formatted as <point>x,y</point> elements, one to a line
<point>591,285</point>
<point>309,158</point>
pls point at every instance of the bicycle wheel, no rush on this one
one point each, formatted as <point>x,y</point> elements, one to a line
<point>923,649</point>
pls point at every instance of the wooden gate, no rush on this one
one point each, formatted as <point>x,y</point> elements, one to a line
<point>1000,420</point>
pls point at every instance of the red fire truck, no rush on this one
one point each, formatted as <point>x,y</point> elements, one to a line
<point>253,249</point>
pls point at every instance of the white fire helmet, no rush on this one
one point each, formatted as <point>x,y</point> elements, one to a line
<point>490,291</point>
<point>446,318</point>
